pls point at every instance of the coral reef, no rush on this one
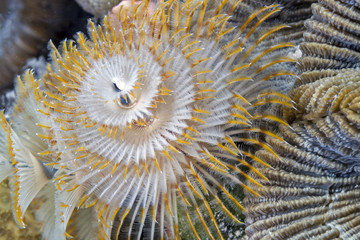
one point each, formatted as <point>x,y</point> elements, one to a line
<point>313,189</point>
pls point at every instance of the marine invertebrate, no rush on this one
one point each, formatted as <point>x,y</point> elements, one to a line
<point>148,123</point>
<point>293,13</point>
<point>313,189</point>
<point>332,39</point>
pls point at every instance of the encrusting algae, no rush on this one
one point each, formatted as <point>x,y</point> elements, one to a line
<point>143,128</point>
<point>9,229</point>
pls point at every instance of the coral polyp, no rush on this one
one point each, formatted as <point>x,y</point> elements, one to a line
<point>149,122</point>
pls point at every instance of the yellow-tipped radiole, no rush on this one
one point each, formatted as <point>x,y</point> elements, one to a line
<point>151,120</point>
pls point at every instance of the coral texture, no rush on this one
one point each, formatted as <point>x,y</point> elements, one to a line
<point>313,190</point>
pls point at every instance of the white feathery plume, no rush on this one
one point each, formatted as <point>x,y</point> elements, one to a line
<point>148,122</point>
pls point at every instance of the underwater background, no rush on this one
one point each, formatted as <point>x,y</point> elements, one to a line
<point>310,188</point>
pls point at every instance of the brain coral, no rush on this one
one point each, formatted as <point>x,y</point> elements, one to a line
<point>313,189</point>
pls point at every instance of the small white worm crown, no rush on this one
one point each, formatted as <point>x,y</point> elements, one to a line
<point>144,128</point>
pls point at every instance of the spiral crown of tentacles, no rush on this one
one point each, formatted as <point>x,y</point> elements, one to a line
<point>147,124</point>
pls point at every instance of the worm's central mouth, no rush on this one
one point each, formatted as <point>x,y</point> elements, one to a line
<point>126,100</point>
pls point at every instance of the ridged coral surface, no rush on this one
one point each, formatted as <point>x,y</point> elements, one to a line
<point>313,189</point>
<point>145,128</point>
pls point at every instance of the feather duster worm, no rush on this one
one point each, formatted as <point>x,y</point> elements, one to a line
<point>148,123</point>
